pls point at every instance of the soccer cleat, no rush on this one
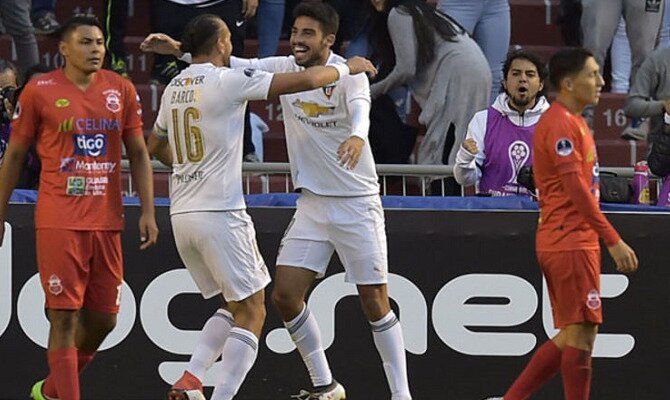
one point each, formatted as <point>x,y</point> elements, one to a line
<point>36,392</point>
<point>494,398</point>
<point>334,391</point>
<point>188,387</point>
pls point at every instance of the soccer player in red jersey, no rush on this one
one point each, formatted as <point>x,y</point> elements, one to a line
<point>565,166</point>
<point>78,117</point>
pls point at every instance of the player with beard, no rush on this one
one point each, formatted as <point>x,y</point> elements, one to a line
<point>499,139</point>
<point>339,208</point>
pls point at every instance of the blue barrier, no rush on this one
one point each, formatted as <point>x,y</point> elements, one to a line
<point>390,202</point>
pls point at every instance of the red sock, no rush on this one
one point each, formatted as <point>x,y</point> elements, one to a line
<point>543,366</point>
<point>83,359</point>
<point>63,372</point>
<point>576,371</point>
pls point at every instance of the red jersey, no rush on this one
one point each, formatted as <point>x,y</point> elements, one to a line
<point>78,136</point>
<point>562,144</point>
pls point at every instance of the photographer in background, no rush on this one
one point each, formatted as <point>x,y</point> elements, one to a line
<point>9,93</point>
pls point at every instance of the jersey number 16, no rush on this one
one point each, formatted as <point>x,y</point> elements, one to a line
<point>195,148</point>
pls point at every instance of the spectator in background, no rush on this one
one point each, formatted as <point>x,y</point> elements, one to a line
<point>444,68</point>
<point>500,139</point>
<point>8,81</point>
<point>599,22</point>
<point>116,16</point>
<point>621,69</point>
<point>43,15</point>
<point>15,16</point>
<point>649,98</point>
<point>170,17</point>
<point>270,19</point>
<point>489,23</point>
<point>30,174</point>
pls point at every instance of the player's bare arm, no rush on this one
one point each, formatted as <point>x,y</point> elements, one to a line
<point>161,43</point>
<point>624,257</point>
<point>10,172</point>
<point>160,149</point>
<point>142,174</point>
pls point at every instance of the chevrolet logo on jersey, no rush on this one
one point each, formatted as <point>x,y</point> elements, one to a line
<point>66,126</point>
<point>313,110</point>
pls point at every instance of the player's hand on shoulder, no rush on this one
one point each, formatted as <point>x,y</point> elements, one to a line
<point>349,152</point>
<point>148,231</point>
<point>161,43</point>
<point>470,145</point>
<point>624,257</point>
<point>360,64</point>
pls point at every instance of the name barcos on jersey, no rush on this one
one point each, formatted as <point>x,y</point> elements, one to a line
<point>189,95</point>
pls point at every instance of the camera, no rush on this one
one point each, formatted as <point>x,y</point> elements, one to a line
<point>11,94</point>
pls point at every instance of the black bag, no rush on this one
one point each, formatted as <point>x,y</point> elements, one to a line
<point>659,154</point>
<point>525,178</point>
<point>614,189</point>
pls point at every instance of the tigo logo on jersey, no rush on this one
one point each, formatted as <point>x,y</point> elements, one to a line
<point>66,126</point>
<point>564,147</point>
<point>90,145</point>
<point>62,103</point>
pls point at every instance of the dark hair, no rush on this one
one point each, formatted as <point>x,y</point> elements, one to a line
<point>324,13</point>
<point>427,22</point>
<point>200,34</point>
<point>521,54</point>
<point>566,62</point>
<point>76,21</point>
<point>6,65</point>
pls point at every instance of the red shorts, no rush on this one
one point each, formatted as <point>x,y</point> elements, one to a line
<point>573,278</point>
<point>80,269</point>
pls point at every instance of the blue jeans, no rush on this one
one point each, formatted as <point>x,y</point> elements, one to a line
<point>621,54</point>
<point>270,17</point>
<point>489,23</point>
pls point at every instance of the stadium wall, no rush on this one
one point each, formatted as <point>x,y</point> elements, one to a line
<point>464,283</point>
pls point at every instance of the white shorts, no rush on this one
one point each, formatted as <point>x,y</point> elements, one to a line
<point>351,226</point>
<point>221,253</point>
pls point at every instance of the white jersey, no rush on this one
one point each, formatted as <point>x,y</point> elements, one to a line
<point>202,115</point>
<point>316,122</point>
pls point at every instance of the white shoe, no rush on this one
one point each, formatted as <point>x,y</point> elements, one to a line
<point>494,398</point>
<point>334,391</point>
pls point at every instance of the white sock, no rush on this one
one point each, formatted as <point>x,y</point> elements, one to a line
<point>387,335</point>
<point>307,338</point>
<point>239,355</point>
<point>210,342</point>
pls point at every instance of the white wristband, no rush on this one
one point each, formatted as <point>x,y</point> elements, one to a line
<point>667,118</point>
<point>343,69</point>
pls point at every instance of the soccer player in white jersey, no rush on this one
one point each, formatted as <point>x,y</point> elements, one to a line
<point>339,208</point>
<point>199,133</point>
